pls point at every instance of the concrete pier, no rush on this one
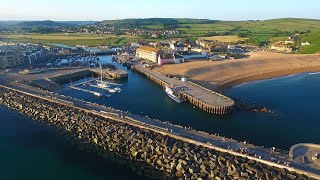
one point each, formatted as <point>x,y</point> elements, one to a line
<point>197,95</point>
<point>111,73</point>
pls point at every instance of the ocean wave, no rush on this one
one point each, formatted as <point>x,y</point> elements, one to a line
<point>314,73</point>
<point>241,84</point>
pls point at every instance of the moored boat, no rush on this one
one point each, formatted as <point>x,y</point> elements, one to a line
<point>171,92</point>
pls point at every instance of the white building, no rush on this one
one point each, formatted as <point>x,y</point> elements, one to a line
<point>305,43</point>
<point>193,55</point>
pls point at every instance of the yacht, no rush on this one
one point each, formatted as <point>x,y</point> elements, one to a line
<point>98,94</point>
<point>102,83</point>
<point>170,91</point>
<point>113,90</point>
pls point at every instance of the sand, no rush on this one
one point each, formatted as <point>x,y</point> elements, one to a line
<point>219,75</point>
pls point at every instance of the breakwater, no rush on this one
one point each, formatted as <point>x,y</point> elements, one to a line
<point>173,157</point>
<point>113,72</point>
<point>87,73</point>
<point>200,97</point>
<point>73,76</point>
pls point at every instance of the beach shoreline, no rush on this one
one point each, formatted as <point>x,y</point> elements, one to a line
<point>266,76</point>
<point>223,75</point>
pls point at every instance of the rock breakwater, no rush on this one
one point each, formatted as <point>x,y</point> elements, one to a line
<point>162,155</point>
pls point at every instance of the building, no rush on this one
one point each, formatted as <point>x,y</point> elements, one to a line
<point>170,58</point>
<point>193,55</point>
<point>231,46</point>
<point>11,58</point>
<point>33,55</point>
<point>212,46</point>
<point>148,53</point>
<point>177,46</point>
<point>305,43</point>
<point>281,48</point>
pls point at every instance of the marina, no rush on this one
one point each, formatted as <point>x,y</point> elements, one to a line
<point>105,88</point>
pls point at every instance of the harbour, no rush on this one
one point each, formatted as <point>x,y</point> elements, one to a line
<point>147,84</point>
<point>184,136</point>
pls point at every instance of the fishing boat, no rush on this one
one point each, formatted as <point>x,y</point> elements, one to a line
<point>170,91</point>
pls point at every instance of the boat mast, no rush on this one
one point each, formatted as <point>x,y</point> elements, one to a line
<point>101,72</point>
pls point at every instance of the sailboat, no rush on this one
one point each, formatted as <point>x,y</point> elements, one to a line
<point>102,84</point>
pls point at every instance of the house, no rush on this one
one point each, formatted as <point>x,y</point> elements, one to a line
<point>212,46</point>
<point>193,55</point>
<point>305,43</point>
<point>231,46</point>
<point>290,40</point>
<point>177,46</point>
<point>148,53</point>
<point>169,58</point>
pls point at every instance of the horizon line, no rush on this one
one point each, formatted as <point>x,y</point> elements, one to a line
<point>161,18</point>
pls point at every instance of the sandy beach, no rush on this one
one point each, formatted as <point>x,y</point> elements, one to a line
<point>219,75</point>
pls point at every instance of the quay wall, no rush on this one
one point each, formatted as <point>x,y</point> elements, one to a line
<point>65,78</point>
<point>209,108</point>
<point>174,156</point>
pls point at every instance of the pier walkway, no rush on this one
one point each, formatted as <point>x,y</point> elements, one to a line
<point>199,96</point>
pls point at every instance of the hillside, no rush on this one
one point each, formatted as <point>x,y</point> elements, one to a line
<point>259,30</point>
<point>157,21</point>
<point>44,24</point>
<point>315,43</point>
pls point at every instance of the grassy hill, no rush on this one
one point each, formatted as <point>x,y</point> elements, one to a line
<point>314,38</point>
<point>158,21</point>
<point>261,30</point>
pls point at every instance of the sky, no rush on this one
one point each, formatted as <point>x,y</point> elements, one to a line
<point>97,10</point>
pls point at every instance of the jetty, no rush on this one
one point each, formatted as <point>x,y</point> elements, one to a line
<point>201,97</point>
<point>89,82</point>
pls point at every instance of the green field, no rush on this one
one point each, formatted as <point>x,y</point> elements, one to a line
<point>71,39</point>
<point>259,30</point>
<point>255,32</point>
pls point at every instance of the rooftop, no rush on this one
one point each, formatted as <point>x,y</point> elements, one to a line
<point>148,49</point>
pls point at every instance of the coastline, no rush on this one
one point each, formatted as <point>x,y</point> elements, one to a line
<point>264,76</point>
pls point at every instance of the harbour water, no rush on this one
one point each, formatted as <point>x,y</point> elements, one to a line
<point>293,100</point>
<point>27,145</point>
